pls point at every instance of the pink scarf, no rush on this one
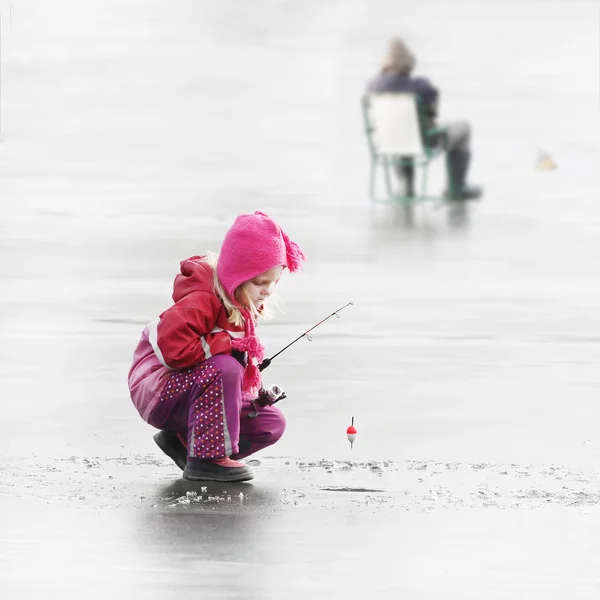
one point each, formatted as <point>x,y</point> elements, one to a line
<point>256,353</point>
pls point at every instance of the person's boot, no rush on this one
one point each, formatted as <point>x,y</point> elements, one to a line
<point>407,174</point>
<point>218,469</point>
<point>171,444</point>
<point>457,164</point>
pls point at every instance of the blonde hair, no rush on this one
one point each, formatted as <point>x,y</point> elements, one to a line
<point>234,314</point>
<point>398,57</point>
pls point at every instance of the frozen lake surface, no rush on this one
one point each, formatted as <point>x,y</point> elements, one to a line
<point>133,133</point>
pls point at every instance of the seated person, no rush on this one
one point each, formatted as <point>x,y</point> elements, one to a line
<point>395,77</point>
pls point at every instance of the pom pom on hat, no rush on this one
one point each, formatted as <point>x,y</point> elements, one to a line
<point>294,254</point>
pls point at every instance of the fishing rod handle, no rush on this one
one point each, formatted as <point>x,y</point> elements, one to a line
<point>264,364</point>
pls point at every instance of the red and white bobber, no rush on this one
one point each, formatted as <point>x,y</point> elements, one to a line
<point>351,433</point>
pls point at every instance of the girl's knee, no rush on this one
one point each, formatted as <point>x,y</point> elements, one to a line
<point>261,432</point>
<point>276,425</point>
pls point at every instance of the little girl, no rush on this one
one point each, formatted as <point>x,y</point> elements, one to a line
<point>195,369</point>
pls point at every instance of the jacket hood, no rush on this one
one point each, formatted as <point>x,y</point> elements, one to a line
<point>196,276</point>
<point>398,58</point>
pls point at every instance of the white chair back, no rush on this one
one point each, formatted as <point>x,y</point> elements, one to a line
<point>395,119</point>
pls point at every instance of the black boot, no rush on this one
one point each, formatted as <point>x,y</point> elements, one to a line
<point>457,165</point>
<point>406,174</point>
<point>172,446</point>
<point>219,469</point>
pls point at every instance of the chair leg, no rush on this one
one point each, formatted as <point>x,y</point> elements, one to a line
<point>388,181</point>
<point>372,181</point>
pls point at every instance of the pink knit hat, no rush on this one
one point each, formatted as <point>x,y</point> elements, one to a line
<point>253,245</point>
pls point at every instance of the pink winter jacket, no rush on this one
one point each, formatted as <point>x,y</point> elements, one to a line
<point>193,329</point>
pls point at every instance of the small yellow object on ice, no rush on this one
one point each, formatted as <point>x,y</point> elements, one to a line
<point>545,162</point>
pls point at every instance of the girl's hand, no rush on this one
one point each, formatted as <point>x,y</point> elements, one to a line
<point>268,398</point>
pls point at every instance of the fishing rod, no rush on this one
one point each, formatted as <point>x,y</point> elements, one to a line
<point>275,393</point>
<point>267,361</point>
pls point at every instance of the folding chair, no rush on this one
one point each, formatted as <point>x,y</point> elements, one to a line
<point>396,135</point>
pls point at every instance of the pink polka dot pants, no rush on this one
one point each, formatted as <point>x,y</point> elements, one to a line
<point>204,402</point>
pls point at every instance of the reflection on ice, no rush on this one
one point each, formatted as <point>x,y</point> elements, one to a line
<point>193,498</point>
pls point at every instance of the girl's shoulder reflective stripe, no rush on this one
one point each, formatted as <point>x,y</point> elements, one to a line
<point>205,347</point>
